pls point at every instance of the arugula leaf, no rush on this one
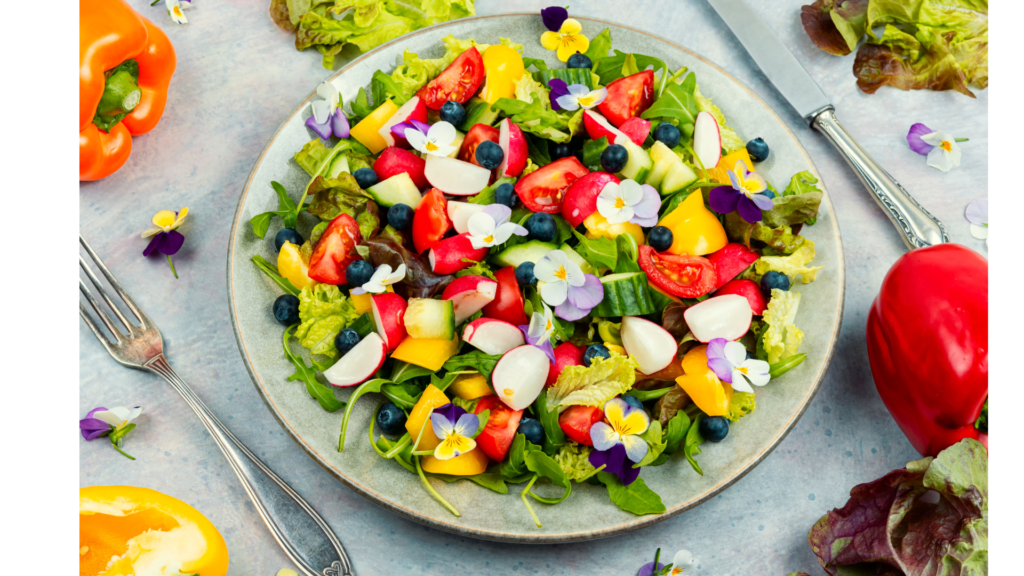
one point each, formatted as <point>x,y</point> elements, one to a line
<point>271,271</point>
<point>486,196</point>
<point>647,395</point>
<point>545,466</point>
<point>382,86</point>
<point>786,364</point>
<point>675,102</point>
<point>636,498</point>
<point>475,360</point>
<point>675,433</point>
<point>563,232</point>
<point>443,382</point>
<point>405,395</point>
<point>489,480</point>
<point>599,252</point>
<point>285,209</point>
<point>628,259</point>
<point>402,371</point>
<point>599,46</point>
<point>361,107</point>
<point>513,468</point>
<point>656,444</point>
<point>554,437</point>
<point>693,441</point>
<point>537,63</point>
<point>368,386</point>
<point>324,395</point>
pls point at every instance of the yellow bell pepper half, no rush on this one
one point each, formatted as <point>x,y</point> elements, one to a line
<point>720,173</point>
<point>129,530</point>
<point>696,231</point>
<point>468,464</point>
<point>367,130</point>
<point>701,384</point>
<point>431,398</point>
<point>470,386</point>
<point>598,226</point>
<point>503,67</point>
<point>430,353</point>
<point>292,267</point>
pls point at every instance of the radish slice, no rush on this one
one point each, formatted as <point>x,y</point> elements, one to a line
<point>494,337</point>
<point>651,345</point>
<point>360,363</point>
<point>707,140</point>
<point>460,212</point>
<point>455,177</point>
<point>519,376</point>
<point>727,316</point>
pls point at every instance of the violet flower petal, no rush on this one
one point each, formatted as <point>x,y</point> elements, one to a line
<point>400,128</point>
<point>648,569</point>
<point>748,210</point>
<point>421,126</point>
<point>568,311</point>
<point>723,199</point>
<point>93,428</point>
<point>339,123</point>
<point>649,203</point>
<point>171,243</point>
<point>977,212</point>
<point>716,348</point>
<point>722,368</point>
<point>152,246</point>
<point>587,296</point>
<point>611,459</point>
<point>558,89</point>
<point>553,17</point>
<point>629,474</point>
<point>914,139</point>
<point>762,202</point>
<point>648,222</point>
<point>545,347</point>
<point>322,130</point>
<point>95,410</point>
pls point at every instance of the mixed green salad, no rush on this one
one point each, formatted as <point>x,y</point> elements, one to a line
<point>545,275</point>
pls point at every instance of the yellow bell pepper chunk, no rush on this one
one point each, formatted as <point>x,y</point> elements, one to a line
<point>429,353</point>
<point>292,267</point>
<point>470,386</point>
<point>363,302</point>
<point>431,398</point>
<point>720,173</point>
<point>142,527</point>
<point>598,226</point>
<point>367,131</point>
<point>701,384</point>
<point>695,230</point>
<point>503,66</point>
<point>468,464</point>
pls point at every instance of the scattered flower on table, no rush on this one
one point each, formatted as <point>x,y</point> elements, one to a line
<point>116,423</point>
<point>382,277</point>
<point>977,215</point>
<point>617,444</point>
<point>438,139</point>
<point>455,428</point>
<point>730,363</point>
<point>746,194</point>
<point>629,201</point>
<point>564,33</point>
<point>538,333</point>
<point>940,147</point>
<point>166,238</point>
<point>491,226</point>
<point>328,118</point>
<point>681,562</point>
<point>175,8</point>
<point>566,287</point>
<point>574,96</point>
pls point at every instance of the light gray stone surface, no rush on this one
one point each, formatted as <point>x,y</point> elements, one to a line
<point>239,76</point>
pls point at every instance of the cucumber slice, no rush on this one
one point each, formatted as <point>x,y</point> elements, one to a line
<point>399,189</point>
<point>592,153</point>
<point>625,294</point>
<point>639,163</point>
<point>429,318</point>
<point>661,299</point>
<point>574,257</point>
<point>664,158</point>
<point>679,176</point>
<point>459,137</point>
<point>338,165</point>
<point>478,111</point>
<point>363,325</point>
<point>570,75</point>
<point>526,252</point>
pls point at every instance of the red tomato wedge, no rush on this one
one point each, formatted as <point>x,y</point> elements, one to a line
<point>627,97</point>
<point>508,300</point>
<point>577,421</point>
<point>542,190</point>
<point>679,275</point>
<point>497,435</point>
<point>730,260</point>
<point>458,82</point>
<point>430,221</point>
<point>477,135</point>
<point>335,251</point>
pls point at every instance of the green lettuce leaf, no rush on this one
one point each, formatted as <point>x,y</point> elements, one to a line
<point>312,156</point>
<point>793,265</point>
<point>835,26</point>
<point>676,101</point>
<point>574,461</point>
<point>730,141</point>
<point>600,45</point>
<point>801,183</point>
<point>527,87</point>
<point>636,498</point>
<point>536,117</point>
<point>414,72</point>
<point>742,403</point>
<point>599,252</point>
<point>342,195</point>
<point>323,311</point>
<point>595,385</point>
<point>781,338</point>
<point>781,238</point>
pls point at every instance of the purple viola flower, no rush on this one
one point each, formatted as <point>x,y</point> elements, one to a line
<point>617,443</point>
<point>438,139</point>
<point>538,333</point>
<point>455,428</point>
<point>166,238</point>
<point>746,194</point>
<point>115,422</point>
<point>558,89</point>
<point>730,363</point>
<point>328,118</point>
<point>914,139</point>
<point>93,428</point>
<point>566,287</point>
<point>629,201</point>
<point>413,124</point>
<point>553,17</point>
<point>580,300</point>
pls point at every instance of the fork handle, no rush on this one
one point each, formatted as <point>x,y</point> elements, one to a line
<point>302,533</point>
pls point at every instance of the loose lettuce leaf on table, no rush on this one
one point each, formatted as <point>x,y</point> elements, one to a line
<point>323,311</point>
<point>835,26</point>
<point>904,62</point>
<point>603,380</point>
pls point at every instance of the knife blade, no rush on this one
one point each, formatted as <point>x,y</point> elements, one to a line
<point>916,226</point>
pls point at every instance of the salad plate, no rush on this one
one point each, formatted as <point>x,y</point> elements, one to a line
<point>486,514</point>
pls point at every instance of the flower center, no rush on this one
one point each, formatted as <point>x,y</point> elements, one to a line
<point>561,274</point>
<point>547,325</point>
<point>586,101</point>
<point>431,146</point>
<point>620,203</point>
<point>946,146</point>
<point>177,11</point>
<point>489,239</point>
<point>743,370</point>
<point>567,39</point>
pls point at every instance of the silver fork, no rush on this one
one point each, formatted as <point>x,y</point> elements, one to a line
<point>302,533</point>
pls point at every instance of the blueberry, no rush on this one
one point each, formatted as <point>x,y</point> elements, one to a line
<point>559,151</point>
<point>541,227</point>
<point>346,340</point>
<point>358,273</point>
<point>579,60</point>
<point>453,113</point>
<point>366,177</point>
<point>532,429</point>
<point>400,216</point>
<point>524,274</point>
<point>506,194</point>
<point>595,351</point>
<point>286,309</point>
<point>667,134</point>
<point>714,428</point>
<point>758,150</point>
<point>773,279</point>
<point>633,401</point>
<point>614,158</point>
<point>391,419</point>
<point>287,235</point>
<point>769,194</point>
<point>489,155</point>
<point>660,238</point>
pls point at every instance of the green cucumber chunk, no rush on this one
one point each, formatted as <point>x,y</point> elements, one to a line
<point>679,176</point>
<point>429,318</point>
<point>592,153</point>
<point>530,251</point>
<point>625,294</point>
<point>569,75</point>
<point>399,189</point>
<point>478,111</point>
<point>338,165</point>
<point>639,163</point>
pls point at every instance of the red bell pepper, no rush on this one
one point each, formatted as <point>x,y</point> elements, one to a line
<point>927,338</point>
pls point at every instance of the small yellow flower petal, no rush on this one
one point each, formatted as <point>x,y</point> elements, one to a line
<point>454,445</point>
<point>163,218</point>
<point>151,232</point>
<point>571,26</point>
<point>571,44</point>
<point>181,218</point>
<point>550,40</point>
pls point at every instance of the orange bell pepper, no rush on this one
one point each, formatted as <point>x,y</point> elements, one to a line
<point>702,385</point>
<point>126,66</point>
<point>142,527</point>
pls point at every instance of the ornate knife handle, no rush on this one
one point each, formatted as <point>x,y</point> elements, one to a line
<point>915,224</point>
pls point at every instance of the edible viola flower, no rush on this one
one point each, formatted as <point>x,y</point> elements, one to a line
<point>115,422</point>
<point>166,238</point>
<point>382,277</point>
<point>575,96</point>
<point>437,140</point>
<point>730,363</point>
<point>328,118</point>
<point>455,428</point>
<point>977,215</point>
<point>563,33</point>
<point>538,333</point>
<point>682,561</point>
<point>628,201</point>
<point>174,10</point>
<point>617,443</point>
<point>558,274</point>
<point>745,194</point>
<point>491,226</point>
<point>93,428</point>
<point>940,147</point>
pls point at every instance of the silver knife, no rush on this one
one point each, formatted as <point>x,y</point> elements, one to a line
<point>917,227</point>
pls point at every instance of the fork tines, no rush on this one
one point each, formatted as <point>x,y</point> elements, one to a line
<point>119,336</point>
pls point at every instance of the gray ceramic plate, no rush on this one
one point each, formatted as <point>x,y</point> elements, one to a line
<point>485,514</point>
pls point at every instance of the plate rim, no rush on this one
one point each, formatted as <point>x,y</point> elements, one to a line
<point>513,537</point>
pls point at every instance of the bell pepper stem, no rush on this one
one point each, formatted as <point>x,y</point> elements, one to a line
<point>121,95</point>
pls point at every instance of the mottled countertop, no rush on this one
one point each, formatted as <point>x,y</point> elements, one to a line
<point>239,77</point>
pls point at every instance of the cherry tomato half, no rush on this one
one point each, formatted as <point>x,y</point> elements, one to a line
<point>497,435</point>
<point>628,97</point>
<point>508,300</point>
<point>335,251</point>
<point>543,189</point>
<point>476,136</point>
<point>458,82</point>
<point>577,421</point>
<point>679,275</point>
<point>430,221</point>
